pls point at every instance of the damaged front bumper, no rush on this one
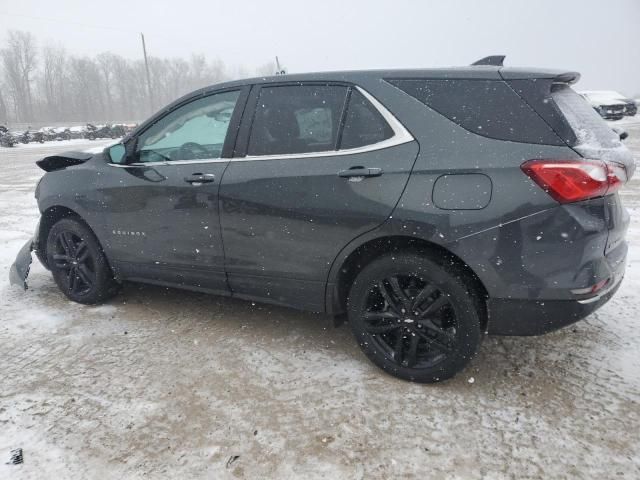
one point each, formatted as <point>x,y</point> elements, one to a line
<point>20,268</point>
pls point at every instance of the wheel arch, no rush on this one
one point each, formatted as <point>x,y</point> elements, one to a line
<point>49,218</point>
<point>347,267</point>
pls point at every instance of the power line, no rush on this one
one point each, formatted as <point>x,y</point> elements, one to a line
<point>81,24</point>
<point>68,22</point>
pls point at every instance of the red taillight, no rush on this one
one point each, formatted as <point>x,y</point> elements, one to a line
<point>573,180</point>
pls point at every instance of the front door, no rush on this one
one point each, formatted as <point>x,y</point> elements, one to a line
<point>162,205</point>
<point>324,164</point>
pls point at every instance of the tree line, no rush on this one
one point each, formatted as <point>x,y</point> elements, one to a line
<point>48,84</point>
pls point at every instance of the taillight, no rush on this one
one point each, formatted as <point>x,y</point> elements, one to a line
<point>574,180</point>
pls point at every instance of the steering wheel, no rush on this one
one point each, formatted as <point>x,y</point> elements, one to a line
<point>190,150</point>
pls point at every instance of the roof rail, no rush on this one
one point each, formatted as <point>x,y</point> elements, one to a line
<point>492,60</point>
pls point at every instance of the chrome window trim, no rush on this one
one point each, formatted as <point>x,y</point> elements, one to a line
<point>197,160</point>
<point>172,162</point>
<point>400,135</point>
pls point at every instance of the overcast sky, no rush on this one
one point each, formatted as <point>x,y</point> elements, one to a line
<point>599,38</point>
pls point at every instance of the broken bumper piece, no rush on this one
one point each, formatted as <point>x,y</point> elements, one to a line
<point>20,268</point>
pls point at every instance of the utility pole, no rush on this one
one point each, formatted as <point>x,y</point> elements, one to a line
<point>146,66</point>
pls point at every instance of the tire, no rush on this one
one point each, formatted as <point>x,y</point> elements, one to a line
<point>414,318</point>
<point>78,264</point>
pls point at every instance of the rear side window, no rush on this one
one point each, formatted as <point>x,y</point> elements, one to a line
<point>363,125</point>
<point>486,107</point>
<point>585,122</point>
<point>297,119</point>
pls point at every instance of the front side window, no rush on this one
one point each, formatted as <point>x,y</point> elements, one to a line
<point>196,130</point>
<point>297,119</point>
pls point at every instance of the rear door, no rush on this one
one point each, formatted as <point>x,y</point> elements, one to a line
<point>316,166</point>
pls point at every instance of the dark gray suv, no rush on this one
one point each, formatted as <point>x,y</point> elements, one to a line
<point>427,207</point>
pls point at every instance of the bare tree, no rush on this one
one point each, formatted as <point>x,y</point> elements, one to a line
<point>4,113</point>
<point>19,59</point>
<point>51,85</point>
<point>54,84</point>
<point>106,65</point>
<point>86,83</point>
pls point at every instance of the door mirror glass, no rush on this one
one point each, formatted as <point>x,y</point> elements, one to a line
<point>117,154</point>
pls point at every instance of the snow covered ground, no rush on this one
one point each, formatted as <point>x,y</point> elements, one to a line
<point>163,383</point>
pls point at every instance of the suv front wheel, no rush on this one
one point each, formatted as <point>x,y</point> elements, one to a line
<point>414,318</point>
<point>78,264</point>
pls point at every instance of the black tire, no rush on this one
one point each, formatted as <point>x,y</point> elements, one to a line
<point>415,318</point>
<point>78,264</point>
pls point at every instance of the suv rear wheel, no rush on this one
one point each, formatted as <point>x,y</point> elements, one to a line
<point>78,264</point>
<point>414,318</point>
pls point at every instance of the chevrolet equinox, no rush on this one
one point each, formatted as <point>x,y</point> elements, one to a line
<point>425,207</point>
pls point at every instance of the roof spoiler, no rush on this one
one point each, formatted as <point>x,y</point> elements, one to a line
<point>567,77</point>
<point>491,60</point>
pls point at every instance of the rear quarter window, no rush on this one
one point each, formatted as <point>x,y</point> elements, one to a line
<point>590,129</point>
<point>363,125</point>
<point>486,107</point>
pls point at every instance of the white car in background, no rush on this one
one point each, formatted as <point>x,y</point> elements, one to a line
<point>609,104</point>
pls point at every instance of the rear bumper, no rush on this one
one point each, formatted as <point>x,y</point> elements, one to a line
<point>537,317</point>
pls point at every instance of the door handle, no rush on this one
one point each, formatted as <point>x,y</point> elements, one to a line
<point>360,172</point>
<point>200,178</point>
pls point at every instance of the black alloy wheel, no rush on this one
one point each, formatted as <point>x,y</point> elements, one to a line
<point>411,320</point>
<point>73,257</point>
<point>78,263</point>
<point>414,317</point>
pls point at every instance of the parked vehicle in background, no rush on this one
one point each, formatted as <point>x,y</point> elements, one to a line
<point>28,136</point>
<point>61,133</point>
<point>47,133</point>
<point>6,138</point>
<point>98,131</point>
<point>609,104</point>
<point>426,206</point>
<point>35,136</point>
<point>118,130</point>
<point>77,131</point>
<point>18,136</point>
<point>129,127</point>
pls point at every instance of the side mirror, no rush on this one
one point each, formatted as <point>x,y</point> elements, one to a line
<point>117,154</point>
<point>620,132</point>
